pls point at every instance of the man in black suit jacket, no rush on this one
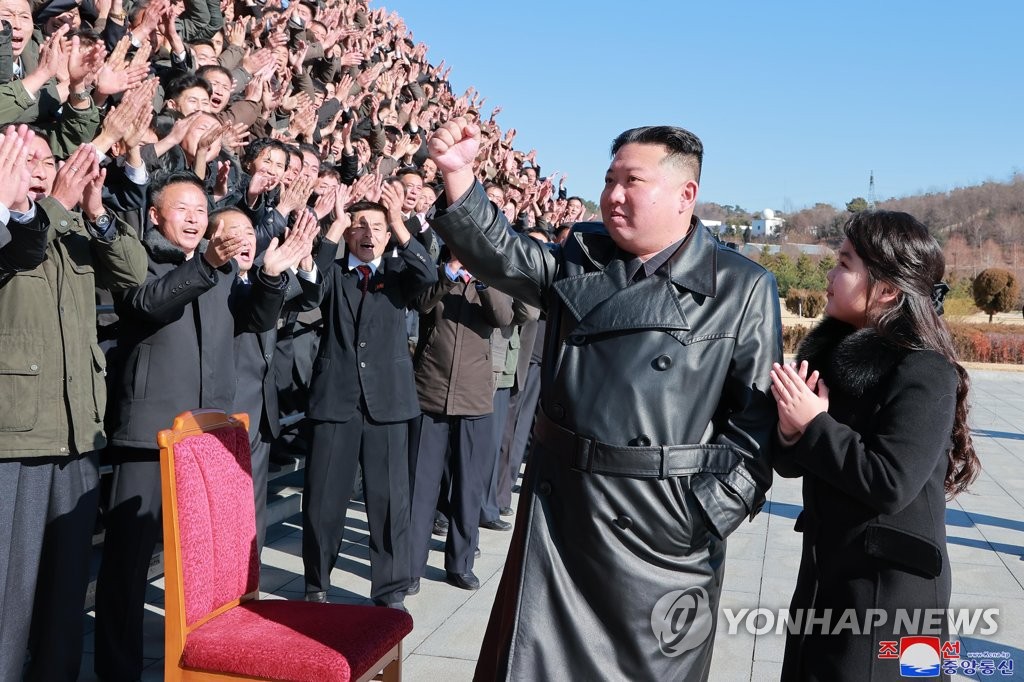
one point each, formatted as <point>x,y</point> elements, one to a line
<point>362,397</point>
<point>255,379</point>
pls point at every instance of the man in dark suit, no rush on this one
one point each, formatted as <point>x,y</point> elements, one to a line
<point>255,379</point>
<point>362,397</point>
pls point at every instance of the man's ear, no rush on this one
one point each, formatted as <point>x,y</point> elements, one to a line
<point>171,104</point>
<point>688,196</point>
<point>154,216</point>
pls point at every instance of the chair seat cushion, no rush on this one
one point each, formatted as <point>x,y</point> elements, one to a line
<point>295,640</point>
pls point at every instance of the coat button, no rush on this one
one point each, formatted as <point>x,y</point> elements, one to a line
<point>624,522</point>
<point>577,339</point>
<point>63,223</point>
<point>544,488</point>
<point>362,344</point>
<point>662,362</point>
<point>643,440</point>
<point>33,367</point>
<point>362,364</point>
<point>557,411</point>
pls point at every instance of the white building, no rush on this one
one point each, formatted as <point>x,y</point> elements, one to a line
<point>767,225</point>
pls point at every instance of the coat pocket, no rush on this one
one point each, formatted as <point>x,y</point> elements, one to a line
<point>19,394</point>
<point>99,383</point>
<point>141,377</point>
<point>907,551</point>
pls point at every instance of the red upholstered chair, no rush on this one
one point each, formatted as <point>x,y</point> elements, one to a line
<point>217,628</point>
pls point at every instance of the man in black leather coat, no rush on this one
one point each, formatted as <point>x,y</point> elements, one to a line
<point>652,441</point>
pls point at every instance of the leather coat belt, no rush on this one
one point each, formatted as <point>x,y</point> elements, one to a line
<point>636,461</point>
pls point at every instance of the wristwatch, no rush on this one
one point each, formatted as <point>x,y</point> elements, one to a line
<point>102,222</point>
<point>79,96</point>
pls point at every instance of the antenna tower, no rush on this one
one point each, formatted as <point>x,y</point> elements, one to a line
<point>871,191</point>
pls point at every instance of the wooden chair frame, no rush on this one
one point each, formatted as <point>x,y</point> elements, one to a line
<point>188,424</point>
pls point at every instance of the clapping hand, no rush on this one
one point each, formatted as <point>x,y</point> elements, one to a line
<point>800,398</point>
<point>224,245</point>
<point>285,254</point>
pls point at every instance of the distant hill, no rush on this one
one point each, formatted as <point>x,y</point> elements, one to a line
<point>980,226</point>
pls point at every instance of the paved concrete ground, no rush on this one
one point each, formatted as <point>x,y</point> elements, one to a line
<point>986,546</point>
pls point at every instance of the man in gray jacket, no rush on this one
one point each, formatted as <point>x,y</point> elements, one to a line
<point>652,441</point>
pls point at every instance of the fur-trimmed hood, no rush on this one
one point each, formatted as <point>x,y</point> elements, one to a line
<point>849,359</point>
<point>161,250</point>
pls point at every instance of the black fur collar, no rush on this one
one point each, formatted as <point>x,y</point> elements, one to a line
<point>163,251</point>
<point>849,359</point>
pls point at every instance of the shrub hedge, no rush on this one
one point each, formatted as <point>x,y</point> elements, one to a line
<point>1002,343</point>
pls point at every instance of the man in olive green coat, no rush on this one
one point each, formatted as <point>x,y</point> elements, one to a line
<point>53,394</point>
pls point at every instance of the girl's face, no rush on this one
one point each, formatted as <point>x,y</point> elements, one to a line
<point>848,286</point>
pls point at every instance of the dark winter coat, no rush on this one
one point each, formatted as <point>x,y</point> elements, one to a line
<point>873,467</point>
<point>454,374</point>
<point>650,448</point>
<point>177,339</point>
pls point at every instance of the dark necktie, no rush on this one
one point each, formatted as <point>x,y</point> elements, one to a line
<point>364,278</point>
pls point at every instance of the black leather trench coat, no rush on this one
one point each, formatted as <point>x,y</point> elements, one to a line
<point>651,448</point>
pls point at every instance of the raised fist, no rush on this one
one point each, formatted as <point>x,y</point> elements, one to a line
<point>454,146</point>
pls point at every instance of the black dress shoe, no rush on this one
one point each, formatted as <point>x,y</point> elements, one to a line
<point>465,581</point>
<point>413,589</point>
<point>476,553</point>
<point>320,597</point>
<point>496,524</point>
<point>396,605</point>
<point>506,511</point>
<point>440,528</point>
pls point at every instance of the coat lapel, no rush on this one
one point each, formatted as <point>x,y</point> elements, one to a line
<point>602,301</point>
<point>350,291</point>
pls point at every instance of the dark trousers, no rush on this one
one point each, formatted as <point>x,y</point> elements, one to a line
<point>522,407</point>
<point>132,525</point>
<point>259,446</point>
<point>489,510</point>
<point>47,513</point>
<point>470,440</point>
<point>337,449</point>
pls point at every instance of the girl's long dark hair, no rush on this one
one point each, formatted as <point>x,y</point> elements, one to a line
<point>897,249</point>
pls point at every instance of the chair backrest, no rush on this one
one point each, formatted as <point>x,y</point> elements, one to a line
<point>210,554</point>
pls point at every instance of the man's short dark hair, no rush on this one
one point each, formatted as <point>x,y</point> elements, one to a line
<point>161,181</point>
<point>211,68</point>
<point>184,82</point>
<point>256,147</point>
<point>368,206</point>
<point>682,145</point>
<point>402,172</point>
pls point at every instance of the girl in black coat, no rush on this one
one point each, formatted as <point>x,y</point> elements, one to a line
<point>874,418</point>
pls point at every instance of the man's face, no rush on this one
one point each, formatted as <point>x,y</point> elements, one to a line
<point>218,41</point>
<point>318,31</point>
<point>413,186</point>
<point>272,162</point>
<point>192,100</point>
<point>429,169</point>
<point>180,215</point>
<point>427,198</point>
<point>205,55</point>
<point>310,166</point>
<point>305,13</point>
<point>237,224</point>
<point>325,184</point>
<point>221,86</point>
<point>368,236</point>
<point>496,195</point>
<point>18,14</point>
<point>44,168</point>
<point>646,204</point>
<point>574,210</point>
<point>294,168</point>
<point>531,175</point>
<point>362,148</point>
